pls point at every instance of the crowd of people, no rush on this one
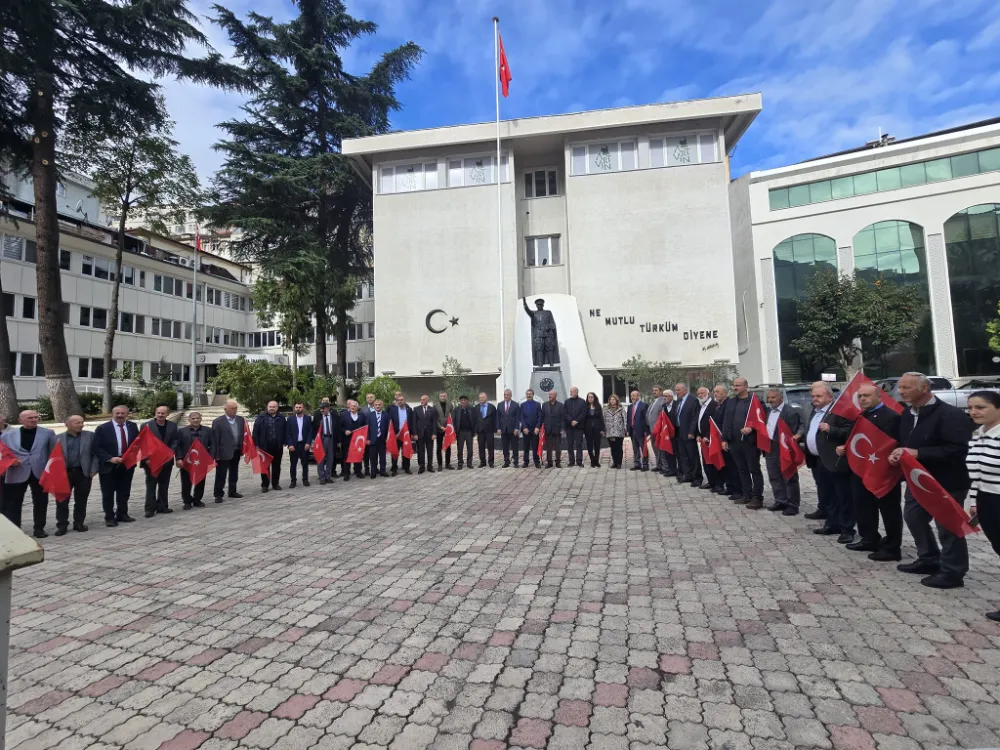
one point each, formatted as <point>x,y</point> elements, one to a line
<point>965,462</point>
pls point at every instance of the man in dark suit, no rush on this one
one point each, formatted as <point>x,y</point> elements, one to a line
<point>364,410</point>
<point>351,421</point>
<point>401,415</point>
<point>868,507</point>
<point>325,422</point>
<point>637,429</point>
<point>686,424</point>
<point>554,420</point>
<point>269,435</point>
<point>81,467</point>
<point>530,424</point>
<point>666,463</point>
<point>191,495</point>
<point>508,424</point>
<point>298,438</point>
<point>424,429</point>
<point>227,447</point>
<point>111,441</point>
<point>787,495</point>
<point>575,409</point>
<point>378,431</point>
<point>708,407</point>
<point>486,424</point>
<point>937,435</point>
<point>158,486</point>
<point>740,442</point>
<point>822,432</point>
<point>463,418</point>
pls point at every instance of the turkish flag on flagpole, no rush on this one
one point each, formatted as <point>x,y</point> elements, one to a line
<point>665,433</point>
<point>449,435</point>
<point>541,441</point>
<point>261,462</point>
<point>846,405</point>
<point>868,450</point>
<point>407,444</point>
<point>933,498</point>
<point>791,455</point>
<point>503,69</point>
<point>715,456</point>
<point>198,462</point>
<point>7,458</point>
<point>249,449</point>
<point>319,452</point>
<point>359,440</point>
<point>758,423</point>
<point>54,479</point>
<point>390,441</point>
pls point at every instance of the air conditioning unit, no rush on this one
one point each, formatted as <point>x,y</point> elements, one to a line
<point>185,262</point>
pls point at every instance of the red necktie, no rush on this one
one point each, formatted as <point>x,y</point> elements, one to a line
<point>121,428</point>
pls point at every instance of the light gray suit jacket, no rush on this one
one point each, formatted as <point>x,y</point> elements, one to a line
<point>653,412</point>
<point>88,460</point>
<point>32,463</point>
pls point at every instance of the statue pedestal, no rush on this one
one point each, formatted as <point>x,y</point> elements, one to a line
<point>545,379</point>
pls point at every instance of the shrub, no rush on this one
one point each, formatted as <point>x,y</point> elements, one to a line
<point>124,399</point>
<point>91,403</point>
<point>44,408</point>
<point>253,384</point>
<point>383,387</point>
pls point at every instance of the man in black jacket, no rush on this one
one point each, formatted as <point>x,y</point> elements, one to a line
<point>157,487</point>
<point>463,419</point>
<point>269,435</point>
<point>325,422</point>
<point>486,426</point>
<point>192,495</point>
<point>822,433</point>
<point>937,435</point>
<point>553,420</point>
<point>575,409</point>
<point>740,444</point>
<point>401,415</point>
<point>714,479</point>
<point>424,429</point>
<point>508,422</point>
<point>786,491</point>
<point>686,424</point>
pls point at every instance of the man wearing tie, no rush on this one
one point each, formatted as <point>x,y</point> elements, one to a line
<point>637,429</point>
<point>424,427</point>
<point>786,491</point>
<point>378,431</point>
<point>269,436</point>
<point>298,438</point>
<point>486,423</point>
<point>508,421</point>
<point>554,420</point>
<point>686,416</point>
<point>323,423</point>
<point>112,439</point>
<point>652,416</point>
<point>401,414</point>
<point>158,486</point>
<point>530,425</point>
<point>575,409</point>
<point>364,411</point>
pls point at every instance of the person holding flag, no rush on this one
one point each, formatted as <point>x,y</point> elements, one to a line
<point>401,415</point>
<point>824,431</point>
<point>739,441</point>
<point>785,489</point>
<point>638,430</point>
<point>937,435</point>
<point>31,446</point>
<point>685,419</point>
<point>715,480</point>
<point>464,419</point>
<point>158,484</point>
<point>228,433</point>
<point>325,422</point>
<point>81,467</point>
<point>442,410</point>
<point>269,431</point>
<point>350,422</point>
<point>111,441</point>
<point>193,491</point>
<point>378,431</point>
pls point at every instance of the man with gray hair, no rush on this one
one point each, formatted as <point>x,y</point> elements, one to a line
<point>653,416</point>
<point>822,433</point>
<point>31,445</point>
<point>740,443</point>
<point>227,447</point>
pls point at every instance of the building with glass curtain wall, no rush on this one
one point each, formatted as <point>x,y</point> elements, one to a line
<point>922,211</point>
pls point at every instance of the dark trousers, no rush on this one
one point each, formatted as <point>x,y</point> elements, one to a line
<point>574,444</point>
<point>487,445</point>
<point>375,457</point>
<point>617,447</point>
<point>593,436</point>
<point>689,448</point>
<point>226,472</point>
<point>868,508</point>
<point>508,442</point>
<point>746,457</point>
<point>716,478</point>
<point>639,457</point>
<point>397,459</point>
<point>529,444</point>
<point>988,508</point>
<point>13,501</point>
<point>156,488</point>
<point>667,462</point>
<point>953,554</point>
<point>189,494</point>
<point>834,491</point>
<point>80,483</point>
<point>274,477</point>
<point>298,456</point>
<point>116,487</point>
<point>464,444</point>
<point>683,460</point>
<point>553,446</point>
<point>441,453</point>
<point>785,491</point>
<point>425,451</point>
<point>327,467</point>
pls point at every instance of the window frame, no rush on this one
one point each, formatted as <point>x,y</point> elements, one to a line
<point>534,239</point>
<point>585,145</point>
<point>551,173</point>
<point>663,137</point>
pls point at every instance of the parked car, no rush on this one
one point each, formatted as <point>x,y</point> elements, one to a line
<point>945,390</point>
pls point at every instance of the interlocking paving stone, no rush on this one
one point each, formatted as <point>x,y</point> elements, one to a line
<point>493,609</point>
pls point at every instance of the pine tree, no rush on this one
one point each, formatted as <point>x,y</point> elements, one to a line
<point>283,181</point>
<point>72,69</point>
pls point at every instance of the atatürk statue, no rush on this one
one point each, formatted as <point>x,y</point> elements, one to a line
<point>544,342</point>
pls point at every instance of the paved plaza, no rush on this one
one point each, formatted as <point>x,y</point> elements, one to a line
<point>485,609</point>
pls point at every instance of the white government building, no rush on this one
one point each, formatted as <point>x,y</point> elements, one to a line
<point>631,215</point>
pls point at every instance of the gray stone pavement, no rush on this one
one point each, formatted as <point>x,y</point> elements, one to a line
<point>484,609</point>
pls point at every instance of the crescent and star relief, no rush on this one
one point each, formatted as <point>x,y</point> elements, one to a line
<point>429,322</point>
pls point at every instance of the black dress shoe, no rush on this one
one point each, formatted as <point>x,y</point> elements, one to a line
<point>292,484</point>
<point>61,531</point>
<point>125,519</point>
<point>636,468</point>
<point>449,467</point>
<point>942,581</point>
<point>706,486</point>
<point>777,506</point>
<point>919,567</point>
<point>558,465</point>
<point>755,504</point>
<point>276,487</point>
<point>347,476</point>
<point>862,546</point>
<point>110,524</point>
<point>198,504</point>
<point>816,515</point>
<point>186,506</point>
<point>393,471</point>
<point>790,511</point>
<point>506,465</point>
<point>407,471</point>
<point>421,470</point>
<point>79,527</point>
<point>265,488</point>
<point>373,475</point>
<point>150,513</point>
<point>696,483</point>
<point>383,474</point>
<point>995,616</point>
<point>825,531</point>
<point>741,500</point>
<point>884,555</point>
<point>166,510</point>
<point>305,482</point>
<point>40,534</point>
<point>235,495</point>
<point>218,499</point>
<point>430,470</point>
<point>845,538</point>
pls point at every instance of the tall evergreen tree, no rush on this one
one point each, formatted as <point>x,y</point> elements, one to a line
<point>71,68</point>
<point>283,181</point>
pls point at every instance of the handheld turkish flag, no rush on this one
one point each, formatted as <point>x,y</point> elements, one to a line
<point>319,452</point>
<point>665,433</point>
<point>359,440</point>
<point>155,451</point>
<point>134,451</point>
<point>504,69</point>
<point>449,435</point>
<point>7,458</point>
<point>541,442</point>
<point>197,463</point>
<point>933,497</point>
<point>249,449</point>
<point>846,405</point>
<point>868,450</point>
<point>390,441</point>
<point>758,423</point>
<point>407,449</point>
<point>714,455</point>
<point>262,462</point>
<point>791,454</point>
<point>54,479</point>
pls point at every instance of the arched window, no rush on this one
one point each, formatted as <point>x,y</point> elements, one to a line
<point>972,240</point>
<point>894,250</point>
<point>796,260</point>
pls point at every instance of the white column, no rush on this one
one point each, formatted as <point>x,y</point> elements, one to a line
<point>942,323</point>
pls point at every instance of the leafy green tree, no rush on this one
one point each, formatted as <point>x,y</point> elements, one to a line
<point>993,329</point>
<point>456,383</point>
<point>282,299</point>
<point>253,384</point>
<point>136,170</point>
<point>383,387</point>
<point>72,69</point>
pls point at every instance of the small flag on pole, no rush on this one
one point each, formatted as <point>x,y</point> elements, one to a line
<point>504,70</point>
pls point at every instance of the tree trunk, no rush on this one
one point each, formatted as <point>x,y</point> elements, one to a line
<point>8,394</point>
<point>321,366</point>
<point>51,336</point>
<point>109,336</point>
<point>342,359</point>
<point>295,367</point>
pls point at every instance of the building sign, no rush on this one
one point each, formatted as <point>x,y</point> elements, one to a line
<point>667,326</point>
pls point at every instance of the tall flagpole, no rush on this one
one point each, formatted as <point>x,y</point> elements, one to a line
<point>496,75</point>
<point>194,319</point>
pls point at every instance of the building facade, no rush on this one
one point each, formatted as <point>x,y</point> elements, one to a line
<point>921,211</point>
<point>625,210</point>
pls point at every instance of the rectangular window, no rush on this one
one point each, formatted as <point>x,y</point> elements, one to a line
<point>371,290</point>
<point>13,247</point>
<point>157,283</point>
<point>371,369</point>
<point>140,324</point>
<point>820,191</point>
<point>271,338</point>
<point>27,365</point>
<point>227,300</point>
<point>243,341</point>
<point>798,195</point>
<point>352,333</point>
<point>865,184</point>
<point>178,288</point>
<point>912,174</point>
<point>101,269</point>
<point>65,256</point>
<point>28,308</point>
<point>83,369</point>
<point>87,269</point>
<point>352,370</point>
<point>85,316</point>
<point>359,291</point>
<point>540,183</point>
<point>30,257</point>
<point>178,329</point>
<point>8,304</point>
<point>939,169</point>
<point>199,292</point>
<point>542,251</point>
<point>596,158</point>
<point>142,279</point>
<point>155,331</point>
<point>371,330</point>
<point>65,313</point>
<point>128,275</point>
<point>964,165</point>
<point>243,304</point>
<point>100,317</point>
<point>227,339</point>
<point>989,161</point>
<point>168,285</point>
<point>187,331</point>
<point>127,324</point>
<point>97,368</point>
<point>888,179</point>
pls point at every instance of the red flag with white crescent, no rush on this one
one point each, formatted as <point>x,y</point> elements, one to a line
<point>359,441</point>
<point>758,423</point>
<point>504,68</point>
<point>249,449</point>
<point>319,452</point>
<point>390,441</point>
<point>927,491</point>
<point>55,479</point>
<point>665,433</point>
<point>261,463</point>
<point>714,455</point>
<point>198,462</point>
<point>791,455</point>
<point>868,450</point>
<point>449,435</point>
<point>541,441</point>
<point>7,458</point>
<point>847,405</point>
<point>407,444</point>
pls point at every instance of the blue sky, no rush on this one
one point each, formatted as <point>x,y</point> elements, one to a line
<point>832,72</point>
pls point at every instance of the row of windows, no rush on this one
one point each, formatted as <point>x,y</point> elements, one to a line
<point>26,365</point>
<point>179,373</point>
<point>353,368</point>
<point>224,337</point>
<point>893,178</point>
<point>622,156</point>
<point>93,367</point>
<point>27,306</point>
<point>361,289</point>
<point>467,172</point>
<point>103,269</point>
<point>356,331</point>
